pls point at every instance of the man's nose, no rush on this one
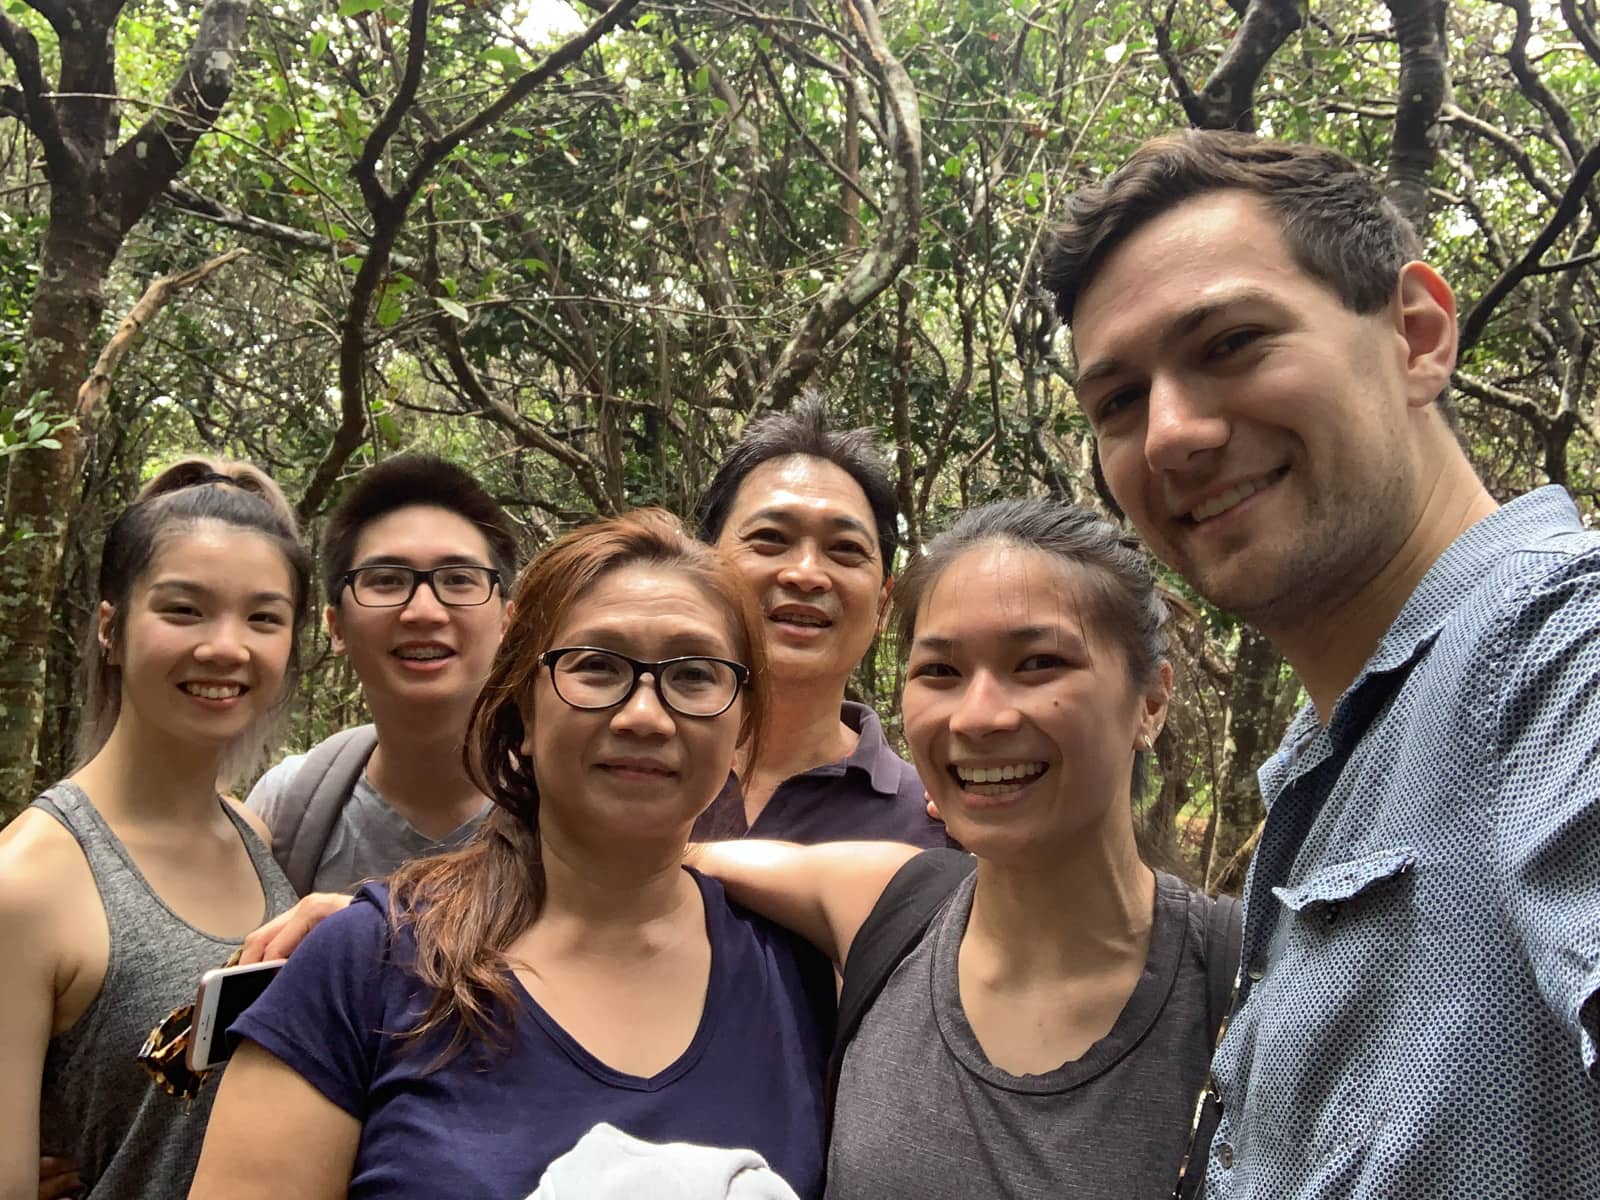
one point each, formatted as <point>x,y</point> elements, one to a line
<point>1181,421</point>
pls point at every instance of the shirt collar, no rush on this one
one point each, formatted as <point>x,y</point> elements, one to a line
<point>872,753</point>
<point>1463,566</point>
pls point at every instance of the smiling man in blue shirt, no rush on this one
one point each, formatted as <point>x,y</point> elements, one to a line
<point>1264,363</point>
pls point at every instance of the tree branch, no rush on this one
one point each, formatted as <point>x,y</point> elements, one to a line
<point>389,211</point>
<point>1508,145</point>
<point>1424,84</point>
<point>1533,87</point>
<point>186,199</point>
<point>714,223</point>
<point>898,232</point>
<point>555,62</point>
<point>1228,99</point>
<point>94,389</point>
<point>373,192</point>
<point>38,113</point>
<point>143,165</point>
<point>1192,107</point>
<point>1572,200</point>
<point>1582,30</point>
<point>520,427</point>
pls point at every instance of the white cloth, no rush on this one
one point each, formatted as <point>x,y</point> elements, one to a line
<point>608,1164</point>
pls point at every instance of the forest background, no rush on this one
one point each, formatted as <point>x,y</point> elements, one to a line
<point>577,249</point>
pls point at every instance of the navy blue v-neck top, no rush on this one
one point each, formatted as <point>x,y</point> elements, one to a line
<point>486,1125</point>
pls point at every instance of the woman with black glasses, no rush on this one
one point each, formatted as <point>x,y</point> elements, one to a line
<point>453,1032</point>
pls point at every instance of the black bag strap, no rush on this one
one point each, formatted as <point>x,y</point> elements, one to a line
<point>1224,945</point>
<point>897,922</point>
<point>310,805</point>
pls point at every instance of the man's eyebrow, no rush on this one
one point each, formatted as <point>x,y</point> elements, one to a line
<point>401,560</point>
<point>781,516</point>
<point>1184,323</point>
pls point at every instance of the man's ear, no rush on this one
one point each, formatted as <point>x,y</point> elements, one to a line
<point>883,603</point>
<point>330,617</point>
<point>105,633</point>
<point>1425,309</point>
<point>505,616</point>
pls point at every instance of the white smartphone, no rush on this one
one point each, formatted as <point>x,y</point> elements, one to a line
<point>223,995</point>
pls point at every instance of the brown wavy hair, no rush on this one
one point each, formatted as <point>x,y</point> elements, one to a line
<point>466,907</point>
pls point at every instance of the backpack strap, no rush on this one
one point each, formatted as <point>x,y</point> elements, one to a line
<point>1224,944</point>
<point>312,800</point>
<point>897,922</point>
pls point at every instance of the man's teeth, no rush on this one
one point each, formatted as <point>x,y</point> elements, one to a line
<point>999,774</point>
<point>1237,494</point>
<point>226,691</point>
<point>422,653</point>
<point>798,619</point>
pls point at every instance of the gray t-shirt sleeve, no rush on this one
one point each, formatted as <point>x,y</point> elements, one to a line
<point>267,794</point>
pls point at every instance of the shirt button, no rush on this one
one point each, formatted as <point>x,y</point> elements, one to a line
<point>1258,968</point>
<point>1225,1156</point>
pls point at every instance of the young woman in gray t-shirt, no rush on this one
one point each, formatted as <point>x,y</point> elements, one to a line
<point>1048,1035</point>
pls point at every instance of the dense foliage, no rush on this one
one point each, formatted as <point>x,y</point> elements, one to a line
<point>579,249</point>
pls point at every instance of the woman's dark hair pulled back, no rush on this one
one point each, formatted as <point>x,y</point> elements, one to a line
<point>188,494</point>
<point>1122,584</point>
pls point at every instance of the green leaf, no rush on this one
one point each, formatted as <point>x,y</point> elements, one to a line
<point>351,7</point>
<point>319,45</point>
<point>702,80</point>
<point>390,309</point>
<point>279,120</point>
<point>458,311</point>
<point>505,56</point>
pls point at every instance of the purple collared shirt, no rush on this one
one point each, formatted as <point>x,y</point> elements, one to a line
<point>873,795</point>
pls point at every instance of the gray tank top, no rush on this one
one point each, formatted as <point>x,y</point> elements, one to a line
<point>131,1139</point>
<point>922,1111</point>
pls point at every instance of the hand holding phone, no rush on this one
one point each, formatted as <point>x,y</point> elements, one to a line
<point>224,994</point>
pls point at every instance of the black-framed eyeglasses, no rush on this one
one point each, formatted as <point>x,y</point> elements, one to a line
<point>391,585</point>
<point>694,686</point>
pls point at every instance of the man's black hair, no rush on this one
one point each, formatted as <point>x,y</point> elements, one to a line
<point>804,430</point>
<point>404,481</point>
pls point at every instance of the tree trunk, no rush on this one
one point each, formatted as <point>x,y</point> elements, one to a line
<point>67,306</point>
<point>1247,741</point>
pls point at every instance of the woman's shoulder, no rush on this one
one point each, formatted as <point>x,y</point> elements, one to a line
<point>39,859</point>
<point>362,929</point>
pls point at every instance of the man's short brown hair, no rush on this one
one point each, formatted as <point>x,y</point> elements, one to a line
<point>1335,220</point>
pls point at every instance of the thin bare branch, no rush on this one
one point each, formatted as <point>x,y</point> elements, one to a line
<point>162,290</point>
<point>1572,202</point>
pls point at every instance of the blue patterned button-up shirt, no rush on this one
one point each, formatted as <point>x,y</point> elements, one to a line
<point>1418,1012</point>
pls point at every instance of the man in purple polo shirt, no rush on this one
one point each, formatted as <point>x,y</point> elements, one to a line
<point>808,514</point>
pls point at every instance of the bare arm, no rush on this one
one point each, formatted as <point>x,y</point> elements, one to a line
<point>27,998</point>
<point>272,1134</point>
<point>824,892</point>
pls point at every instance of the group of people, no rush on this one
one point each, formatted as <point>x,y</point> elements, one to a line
<point>574,902</point>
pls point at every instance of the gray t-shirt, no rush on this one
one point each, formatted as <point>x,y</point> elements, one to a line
<point>922,1111</point>
<point>369,839</point>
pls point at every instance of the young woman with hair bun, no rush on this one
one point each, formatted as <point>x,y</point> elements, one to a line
<point>123,883</point>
